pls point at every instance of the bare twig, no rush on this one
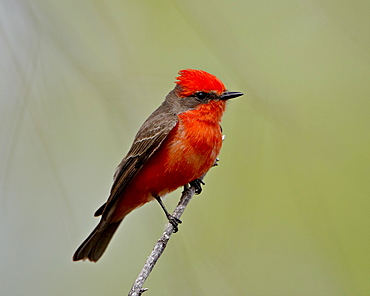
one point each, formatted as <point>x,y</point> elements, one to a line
<point>137,287</point>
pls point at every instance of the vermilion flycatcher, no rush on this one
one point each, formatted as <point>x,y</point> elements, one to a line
<point>176,145</point>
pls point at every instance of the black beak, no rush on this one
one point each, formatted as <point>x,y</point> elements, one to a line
<point>230,95</point>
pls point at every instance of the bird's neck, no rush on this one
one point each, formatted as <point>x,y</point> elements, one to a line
<point>211,112</point>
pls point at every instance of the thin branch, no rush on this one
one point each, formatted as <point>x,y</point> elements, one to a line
<point>137,287</point>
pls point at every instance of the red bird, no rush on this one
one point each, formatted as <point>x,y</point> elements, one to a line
<point>176,145</point>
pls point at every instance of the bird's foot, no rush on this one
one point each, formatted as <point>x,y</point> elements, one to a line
<point>197,184</point>
<point>175,222</point>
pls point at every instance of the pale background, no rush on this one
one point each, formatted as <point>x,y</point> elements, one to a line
<point>287,210</point>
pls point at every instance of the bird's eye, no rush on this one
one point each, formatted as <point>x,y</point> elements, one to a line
<point>201,95</point>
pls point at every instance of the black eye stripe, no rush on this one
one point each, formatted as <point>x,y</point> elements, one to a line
<point>201,95</point>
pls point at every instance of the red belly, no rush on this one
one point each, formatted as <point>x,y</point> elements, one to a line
<point>182,158</point>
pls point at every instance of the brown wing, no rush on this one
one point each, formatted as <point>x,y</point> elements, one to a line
<point>149,138</point>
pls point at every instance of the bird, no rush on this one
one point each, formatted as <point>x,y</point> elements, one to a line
<point>175,146</point>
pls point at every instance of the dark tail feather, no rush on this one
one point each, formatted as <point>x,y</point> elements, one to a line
<point>96,243</point>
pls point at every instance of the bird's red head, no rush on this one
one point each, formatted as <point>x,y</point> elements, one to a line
<point>192,81</point>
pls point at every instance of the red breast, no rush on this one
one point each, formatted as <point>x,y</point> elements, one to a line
<point>188,152</point>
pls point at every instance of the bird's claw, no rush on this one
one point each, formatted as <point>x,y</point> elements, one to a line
<point>175,222</point>
<point>197,184</point>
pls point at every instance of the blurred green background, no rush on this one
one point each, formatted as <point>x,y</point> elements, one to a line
<point>286,212</point>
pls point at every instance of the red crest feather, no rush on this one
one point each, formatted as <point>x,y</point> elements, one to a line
<point>192,81</point>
